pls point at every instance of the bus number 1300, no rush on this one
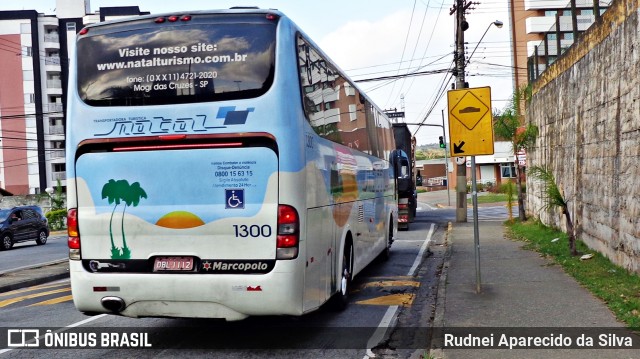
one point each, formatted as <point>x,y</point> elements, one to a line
<point>244,231</point>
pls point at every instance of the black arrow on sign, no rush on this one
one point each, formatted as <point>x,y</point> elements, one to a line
<point>458,148</point>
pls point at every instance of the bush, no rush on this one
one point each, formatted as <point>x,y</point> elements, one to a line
<point>56,219</point>
<point>507,187</point>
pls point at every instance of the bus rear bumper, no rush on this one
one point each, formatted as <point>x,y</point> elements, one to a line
<point>230,297</point>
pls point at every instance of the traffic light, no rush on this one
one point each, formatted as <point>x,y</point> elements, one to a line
<point>442,145</point>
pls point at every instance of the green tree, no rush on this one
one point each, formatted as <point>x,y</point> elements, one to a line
<point>420,155</point>
<point>554,198</point>
<point>58,211</point>
<point>510,126</point>
<point>57,201</point>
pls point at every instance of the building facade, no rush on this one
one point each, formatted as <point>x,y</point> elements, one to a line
<point>491,170</point>
<point>542,29</point>
<point>34,52</point>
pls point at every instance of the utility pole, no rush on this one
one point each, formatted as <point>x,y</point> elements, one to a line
<point>461,170</point>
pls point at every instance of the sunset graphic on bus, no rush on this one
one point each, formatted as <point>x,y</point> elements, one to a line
<point>180,220</point>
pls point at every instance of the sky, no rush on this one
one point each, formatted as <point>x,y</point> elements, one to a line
<point>376,38</point>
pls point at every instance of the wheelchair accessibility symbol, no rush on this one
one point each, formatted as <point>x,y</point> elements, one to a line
<point>234,198</point>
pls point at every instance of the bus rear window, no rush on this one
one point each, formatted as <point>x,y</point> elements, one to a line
<point>207,59</point>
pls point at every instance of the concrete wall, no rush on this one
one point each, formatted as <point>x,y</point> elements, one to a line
<point>587,107</point>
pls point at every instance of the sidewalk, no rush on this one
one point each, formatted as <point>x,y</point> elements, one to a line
<point>519,289</point>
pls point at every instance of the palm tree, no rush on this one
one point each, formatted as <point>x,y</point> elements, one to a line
<point>112,191</point>
<point>117,192</point>
<point>509,125</point>
<point>131,196</point>
<point>555,199</point>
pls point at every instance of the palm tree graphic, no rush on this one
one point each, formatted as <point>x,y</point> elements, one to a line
<point>117,192</point>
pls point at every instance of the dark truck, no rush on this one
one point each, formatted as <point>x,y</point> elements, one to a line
<point>404,162</point>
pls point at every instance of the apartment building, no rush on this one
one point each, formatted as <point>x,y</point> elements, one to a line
<point>542,29</point>
<point>34,56</point>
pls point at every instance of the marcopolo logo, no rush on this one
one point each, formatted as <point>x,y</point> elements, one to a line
<point>237,267</point>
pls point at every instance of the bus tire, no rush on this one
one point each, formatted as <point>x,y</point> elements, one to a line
<point>341,298</point>
<point>386,253</point>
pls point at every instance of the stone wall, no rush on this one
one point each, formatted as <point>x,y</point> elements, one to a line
<point>31,199</point>
<point>587,107</point>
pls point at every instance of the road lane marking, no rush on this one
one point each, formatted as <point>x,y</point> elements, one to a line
<point>6,302</point>
<point>403,299</point>
<point>62,299</point>
<point>391,315</point>
<point>31,289</point>
<point>424,247</point>
<point>391,283</point>
<point>387,321</point>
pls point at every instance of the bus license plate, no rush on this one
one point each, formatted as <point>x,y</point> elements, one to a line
<point>162,264</point>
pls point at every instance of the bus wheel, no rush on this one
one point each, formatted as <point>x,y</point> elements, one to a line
<point>386,253</point>
<point>341,299</point>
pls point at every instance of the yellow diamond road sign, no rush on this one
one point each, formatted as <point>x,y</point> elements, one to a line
<point>470,122</point>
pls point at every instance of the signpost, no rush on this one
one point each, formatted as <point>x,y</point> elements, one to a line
<point>395,114</point>
<point>471,134</point>
<point>470,122</point>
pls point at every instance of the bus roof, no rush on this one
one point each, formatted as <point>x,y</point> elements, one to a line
<point>234,10</point>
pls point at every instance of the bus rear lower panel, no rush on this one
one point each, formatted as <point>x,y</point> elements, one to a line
<point>230,297</point>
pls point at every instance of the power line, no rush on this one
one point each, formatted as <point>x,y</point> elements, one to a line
<point>404,48</point>
<point>403,76</point>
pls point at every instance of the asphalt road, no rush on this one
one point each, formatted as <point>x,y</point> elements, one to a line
<point>26,254</point>
<point>390,309</point>
<point>390,313</point>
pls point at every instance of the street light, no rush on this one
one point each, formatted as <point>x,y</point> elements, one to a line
<point>498,24</point>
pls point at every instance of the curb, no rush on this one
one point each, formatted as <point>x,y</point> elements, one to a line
<point>33,266</point>
<point>438,318</point>
<point>36,275</point>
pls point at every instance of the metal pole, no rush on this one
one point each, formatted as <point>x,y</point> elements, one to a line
<point>574,20</point>
<point>558,35</point>
<point>461,175</point>
<point>476,233</point>
<point>446,160</point>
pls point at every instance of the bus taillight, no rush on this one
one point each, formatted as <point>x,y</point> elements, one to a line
<point>288,232</point>
<point>74,236</point>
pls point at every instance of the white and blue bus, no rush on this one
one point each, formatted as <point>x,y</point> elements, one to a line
<point>220,166</point>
